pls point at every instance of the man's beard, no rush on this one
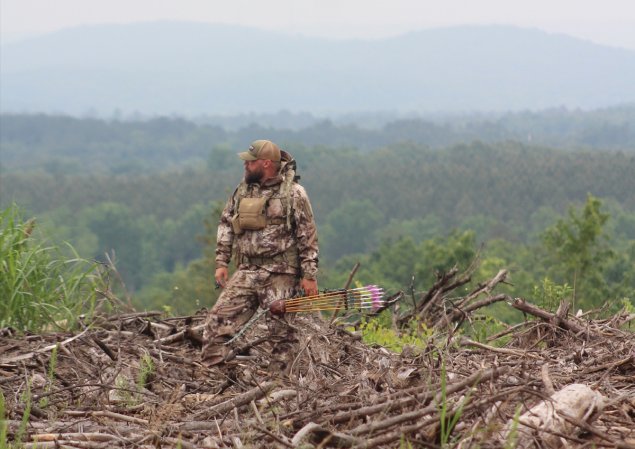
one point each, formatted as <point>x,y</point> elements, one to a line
<point>253,176</point>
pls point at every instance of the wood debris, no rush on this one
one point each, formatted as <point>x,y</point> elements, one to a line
<point>136,382</point>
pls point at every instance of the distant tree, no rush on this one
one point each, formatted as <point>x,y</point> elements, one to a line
<point>578,249</point>
<point>350,228</point>
<point>395,262</point>
<point>418,229</point>
<point>221,157</point>
<point>118,235</point>
<point>188,287</point>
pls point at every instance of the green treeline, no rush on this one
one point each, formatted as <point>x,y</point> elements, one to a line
<point>148,194</point>
<point>66,145</point>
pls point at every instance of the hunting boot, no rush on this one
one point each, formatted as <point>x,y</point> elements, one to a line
<point>284,344</point>
<point>215,349</point>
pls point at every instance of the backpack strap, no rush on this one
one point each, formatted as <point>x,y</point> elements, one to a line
<point>239,193</point>
<point>288,179</point>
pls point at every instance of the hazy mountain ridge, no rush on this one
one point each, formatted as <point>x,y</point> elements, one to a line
<point>193,68</point>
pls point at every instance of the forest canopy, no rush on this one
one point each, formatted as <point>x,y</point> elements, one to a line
<point>548,195</point>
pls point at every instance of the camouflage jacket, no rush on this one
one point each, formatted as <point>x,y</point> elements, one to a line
<point>288,244</point>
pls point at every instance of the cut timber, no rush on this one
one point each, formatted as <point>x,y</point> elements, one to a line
<point>547,421</point>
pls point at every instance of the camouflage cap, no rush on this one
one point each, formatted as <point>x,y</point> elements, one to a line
<point>263,150</point>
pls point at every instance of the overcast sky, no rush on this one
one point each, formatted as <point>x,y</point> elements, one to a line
<point>609,22</point>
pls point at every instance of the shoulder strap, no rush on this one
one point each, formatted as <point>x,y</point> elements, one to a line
<point>285,192</point>
<point>239,193</point>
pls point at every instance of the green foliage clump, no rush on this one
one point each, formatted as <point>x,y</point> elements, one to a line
<point>548,294</point>
<point>579,255</point>
<point>480,328</point>
<point>578,250</point>
<point>39,287</point>
<point>375,332</point>
<point>146,371</point>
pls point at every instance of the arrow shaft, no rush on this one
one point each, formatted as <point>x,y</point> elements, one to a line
<point>339,292</point>
<point>340,300</point>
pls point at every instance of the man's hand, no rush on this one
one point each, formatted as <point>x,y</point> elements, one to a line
<point>309,286</point>
<point>221,276</point>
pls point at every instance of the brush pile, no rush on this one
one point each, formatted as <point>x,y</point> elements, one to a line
<point>135,381</point>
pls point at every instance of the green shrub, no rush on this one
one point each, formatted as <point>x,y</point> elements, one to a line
<point>40,287</point>
<point>416,335</point>
<point>548,295</point>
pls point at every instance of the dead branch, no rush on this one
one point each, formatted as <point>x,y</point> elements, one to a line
<point>330,389</point>
<point>559,321</point>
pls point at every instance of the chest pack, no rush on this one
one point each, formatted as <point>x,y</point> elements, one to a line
<point>250,213</point>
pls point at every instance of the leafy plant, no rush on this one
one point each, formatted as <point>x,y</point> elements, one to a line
<point>374,332</point>
<point>578,247</point>
<point>40,288</point>
<point>549,294</point>
<point>628,305</point>
<point>481,327</point>
<point>146,370</point>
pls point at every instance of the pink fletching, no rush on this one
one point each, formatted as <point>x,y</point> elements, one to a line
<point>376,295</point>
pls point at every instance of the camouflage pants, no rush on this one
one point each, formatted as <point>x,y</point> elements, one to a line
<point>240,299</point>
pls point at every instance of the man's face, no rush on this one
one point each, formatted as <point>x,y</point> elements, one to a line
<point>253,171</point>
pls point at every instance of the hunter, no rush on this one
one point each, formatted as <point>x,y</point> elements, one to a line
<point>268,224</point>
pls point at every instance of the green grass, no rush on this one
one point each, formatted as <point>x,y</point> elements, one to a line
<point>50,375</point>
<point>3,423</point>
<point>40,286</point>
<point>26,399</point>
<point>449,418</point>
<point>512,436</point>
